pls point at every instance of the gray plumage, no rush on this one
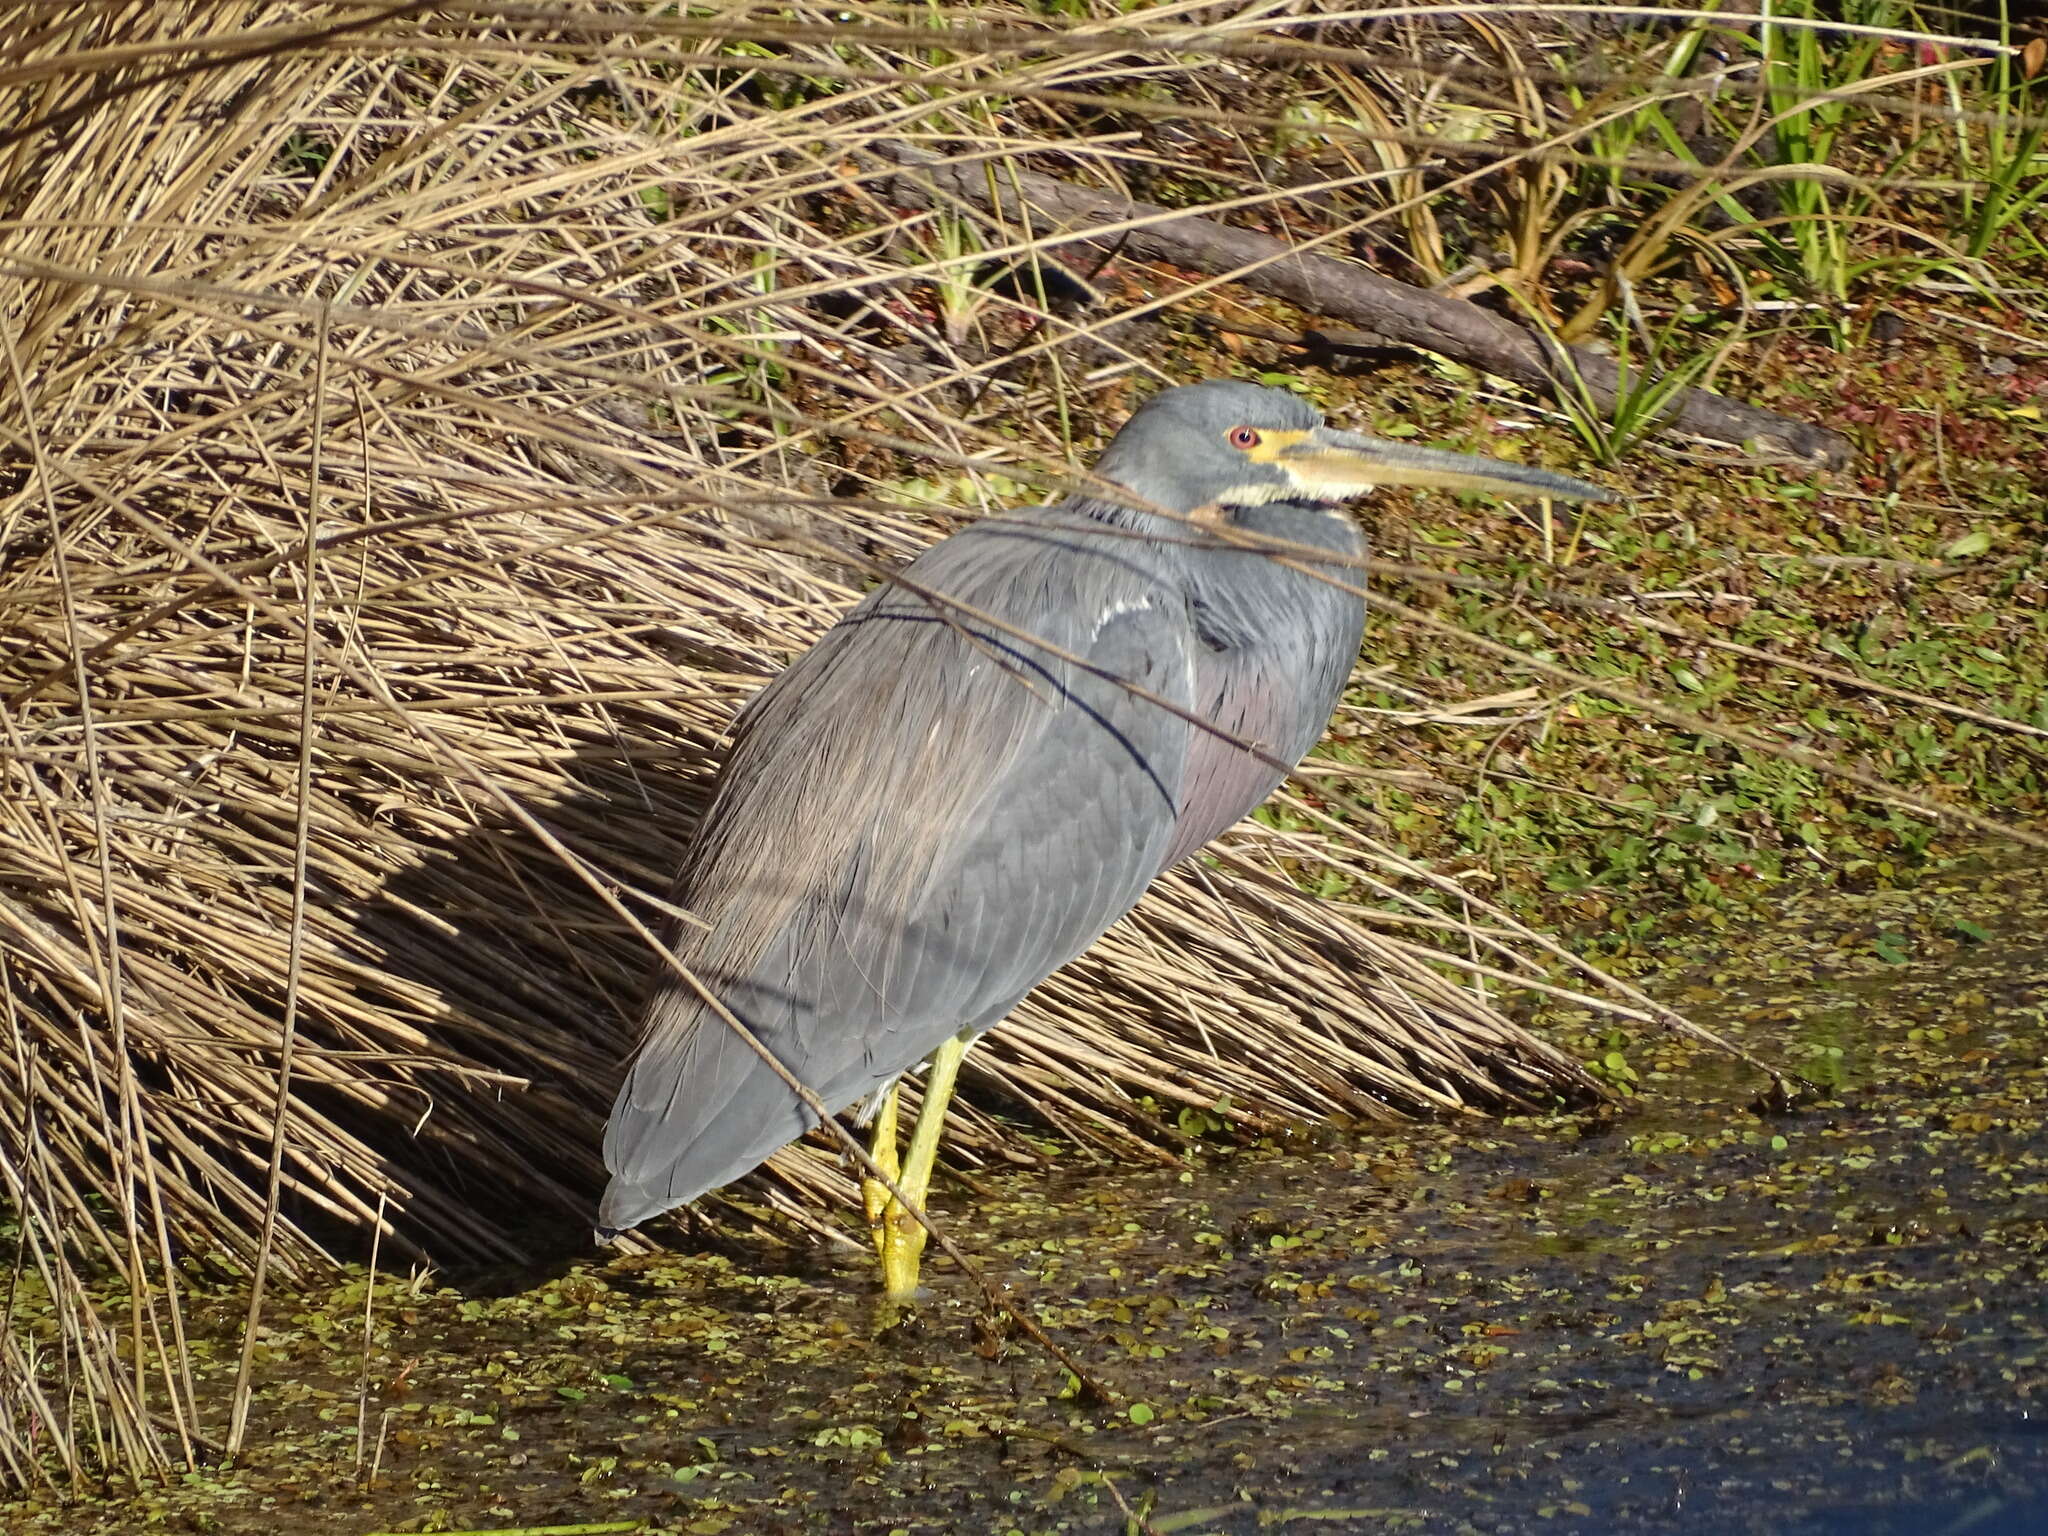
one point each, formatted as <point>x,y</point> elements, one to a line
<point>927,814</point>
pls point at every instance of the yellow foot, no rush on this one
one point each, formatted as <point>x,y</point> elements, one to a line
<point>900,1241</point>
<point>899,1234</point>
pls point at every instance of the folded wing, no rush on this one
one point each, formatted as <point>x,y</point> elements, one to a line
<point>920,820</point>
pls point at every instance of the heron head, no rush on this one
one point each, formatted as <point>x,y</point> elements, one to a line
<point>1223,445</point>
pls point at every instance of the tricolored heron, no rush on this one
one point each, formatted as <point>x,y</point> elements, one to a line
<point>984,764</point>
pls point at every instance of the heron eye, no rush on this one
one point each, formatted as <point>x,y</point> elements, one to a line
<point>1243,437</point>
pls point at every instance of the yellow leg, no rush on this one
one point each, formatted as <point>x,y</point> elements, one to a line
<point>899,1238</point>
<point>875,1197</point>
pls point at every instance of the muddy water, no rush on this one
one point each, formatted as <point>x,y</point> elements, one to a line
<point>1695,1316</point>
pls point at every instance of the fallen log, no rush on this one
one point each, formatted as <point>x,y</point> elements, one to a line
<point>1391,313</point>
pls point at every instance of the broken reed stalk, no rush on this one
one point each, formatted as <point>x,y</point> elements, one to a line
<point>1399,314</point>
<point>295,952</point>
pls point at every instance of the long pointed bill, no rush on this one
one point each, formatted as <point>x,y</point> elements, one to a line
<point>1336,465</point>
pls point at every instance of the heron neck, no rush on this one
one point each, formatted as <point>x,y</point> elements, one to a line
<point>1300,522</point>
<point>1283,522</point>
<point>1139,519</point>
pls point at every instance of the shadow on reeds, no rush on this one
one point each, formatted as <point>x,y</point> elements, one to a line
<point>531,975</point>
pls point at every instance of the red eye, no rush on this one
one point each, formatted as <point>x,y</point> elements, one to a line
<point>1243,437</point>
